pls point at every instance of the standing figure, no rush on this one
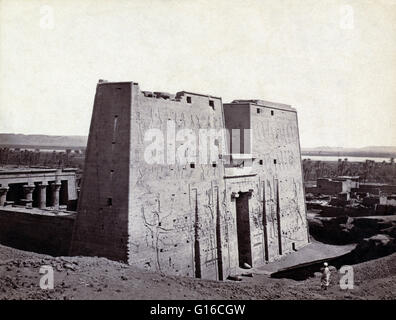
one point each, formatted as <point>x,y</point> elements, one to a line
<point>325,279</point>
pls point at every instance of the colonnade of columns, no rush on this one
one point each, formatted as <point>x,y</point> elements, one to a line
<point>3,195</point>
<point>42,194</point>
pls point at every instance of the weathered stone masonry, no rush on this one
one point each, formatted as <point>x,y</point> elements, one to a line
<point>193,219</point>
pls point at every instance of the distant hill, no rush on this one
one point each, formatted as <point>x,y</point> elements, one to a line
<point>10,139</point>
<point>22,140</point>
<point>341,149</point>
<point>371,151</point>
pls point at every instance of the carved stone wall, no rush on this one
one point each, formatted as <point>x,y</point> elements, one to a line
<point>177,217</point>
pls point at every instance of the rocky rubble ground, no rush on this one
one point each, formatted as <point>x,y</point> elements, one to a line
<point>344,229</point>
<point>375,236</point>
<point>99,278</point>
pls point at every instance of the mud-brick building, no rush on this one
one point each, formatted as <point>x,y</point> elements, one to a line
<point>203,217</point>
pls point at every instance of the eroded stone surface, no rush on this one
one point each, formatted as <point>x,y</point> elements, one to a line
<point>195,219</point>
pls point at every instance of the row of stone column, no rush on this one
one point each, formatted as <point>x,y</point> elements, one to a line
<point>29,188</point>
<point>3,195</point>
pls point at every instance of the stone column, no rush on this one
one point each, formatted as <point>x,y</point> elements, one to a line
<point>28,194</point>
<point>3,195</point>
<point>42,195</point>
<point>55,187</point>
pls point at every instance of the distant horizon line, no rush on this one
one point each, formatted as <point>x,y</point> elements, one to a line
<point>303,147</point>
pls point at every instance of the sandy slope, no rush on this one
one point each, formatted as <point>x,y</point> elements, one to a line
<point>99,278</point>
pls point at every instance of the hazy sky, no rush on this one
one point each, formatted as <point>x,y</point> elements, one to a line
<point>335,61</point>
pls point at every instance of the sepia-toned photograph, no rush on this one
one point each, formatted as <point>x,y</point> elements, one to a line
<point>196,151</point>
